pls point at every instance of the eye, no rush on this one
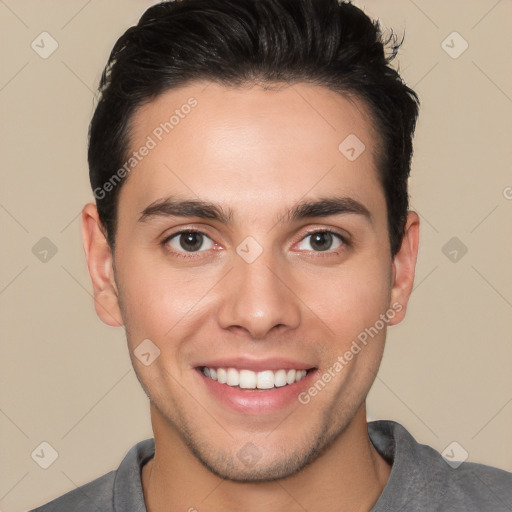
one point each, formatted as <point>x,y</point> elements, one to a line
<point>321,241</point>
<point>189,241</point>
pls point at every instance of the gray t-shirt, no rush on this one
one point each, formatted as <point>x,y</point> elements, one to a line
<point>420,480</point>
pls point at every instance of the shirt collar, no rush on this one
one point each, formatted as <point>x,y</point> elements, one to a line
<point>128,493</point>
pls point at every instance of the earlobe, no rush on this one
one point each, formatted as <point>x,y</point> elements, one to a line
<point>404,265</point>
<point>99,262</point>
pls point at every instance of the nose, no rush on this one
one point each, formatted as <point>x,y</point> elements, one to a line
<point>258,297</point>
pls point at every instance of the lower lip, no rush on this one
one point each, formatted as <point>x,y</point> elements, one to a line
<point>256,401</point>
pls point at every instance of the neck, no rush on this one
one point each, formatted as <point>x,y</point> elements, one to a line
<point>349,476</point>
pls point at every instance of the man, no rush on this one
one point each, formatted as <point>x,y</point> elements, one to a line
<point>251,231</point>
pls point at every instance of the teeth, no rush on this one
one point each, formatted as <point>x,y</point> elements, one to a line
<point>222,375</point>
<point>280,378</point>
<point>266,379</point>
<point>233,377</point>
<point>247,379</point>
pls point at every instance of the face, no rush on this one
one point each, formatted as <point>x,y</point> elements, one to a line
<point>252,251</point>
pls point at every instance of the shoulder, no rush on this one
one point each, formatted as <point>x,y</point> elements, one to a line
<point>480,486</point>
<point>96,495</point>
<point>112,491</point>
<point>437,482</point>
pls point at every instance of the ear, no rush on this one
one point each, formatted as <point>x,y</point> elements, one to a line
<point>404,265</point>
<point>100,265</point>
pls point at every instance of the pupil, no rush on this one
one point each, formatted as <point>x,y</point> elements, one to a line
<point>191,241</point>
<point>321,241</point>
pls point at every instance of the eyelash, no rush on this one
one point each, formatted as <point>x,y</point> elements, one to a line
<point>193,255</point>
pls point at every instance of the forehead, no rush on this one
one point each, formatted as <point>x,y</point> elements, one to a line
<point>275,145</point>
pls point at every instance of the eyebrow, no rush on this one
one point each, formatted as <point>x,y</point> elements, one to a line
<point>324,207</point>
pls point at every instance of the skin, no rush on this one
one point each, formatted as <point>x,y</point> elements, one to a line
<point>257,152</point>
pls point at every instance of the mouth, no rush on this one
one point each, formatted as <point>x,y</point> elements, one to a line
<point>265,388</point>
<point>249,379</point>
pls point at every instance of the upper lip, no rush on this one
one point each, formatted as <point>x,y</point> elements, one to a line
<point>256,365</point>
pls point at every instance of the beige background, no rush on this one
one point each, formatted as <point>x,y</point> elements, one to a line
<point>67,378</point>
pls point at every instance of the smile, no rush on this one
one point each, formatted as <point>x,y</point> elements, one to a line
<point>248,379</point>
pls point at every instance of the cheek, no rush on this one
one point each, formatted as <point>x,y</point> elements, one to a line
<point>351,305</point>
<point>156,299</point>
<point>350,299</point>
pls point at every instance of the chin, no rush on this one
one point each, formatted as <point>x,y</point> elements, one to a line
<point>247,463</point>
<point>231,468</point>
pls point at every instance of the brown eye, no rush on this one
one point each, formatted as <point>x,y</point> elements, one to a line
<point>321,241</point>
<point>189,241</point>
